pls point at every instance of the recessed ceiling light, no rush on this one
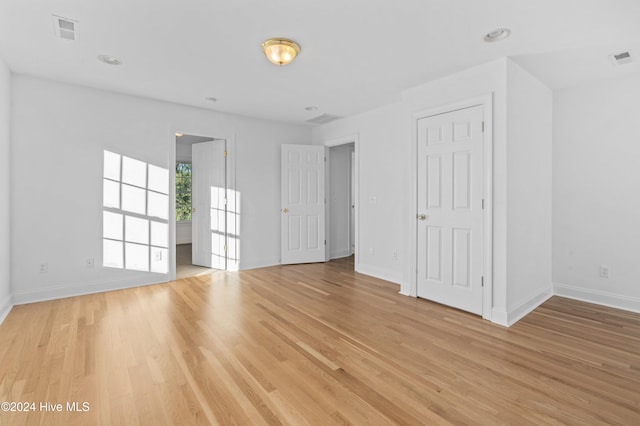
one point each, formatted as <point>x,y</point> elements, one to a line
<point>179,135</point>
<point>497,35</point>
<point>108,59</point>
<point>311,108</point>
<point>211,99</point>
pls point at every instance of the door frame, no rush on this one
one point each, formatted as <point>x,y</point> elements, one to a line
<point>232,264</point>
<point>329,143</point>
<point>486,101</point>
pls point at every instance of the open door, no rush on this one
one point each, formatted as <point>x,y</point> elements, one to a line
<point>303,204</point>
<point>208,219</point>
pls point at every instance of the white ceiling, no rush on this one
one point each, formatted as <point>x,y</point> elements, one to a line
<point>356,54</point>
<point>191,139</point>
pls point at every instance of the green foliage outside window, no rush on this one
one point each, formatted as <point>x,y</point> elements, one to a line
<point>183,192</point>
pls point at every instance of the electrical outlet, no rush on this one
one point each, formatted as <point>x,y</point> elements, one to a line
<point>394,255</point>
<point>373,199</point>
<point>372,251</point>
<point>604,271</point>
<point>89,263</point>
<point>44,268</point>
<point>157,256</point>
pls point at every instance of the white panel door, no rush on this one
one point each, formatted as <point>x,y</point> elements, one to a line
<point>450,210</point>
<point>208,220</point>
<point>303,204</point>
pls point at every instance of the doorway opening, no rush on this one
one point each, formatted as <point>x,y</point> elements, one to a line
<point>341,194</point>
<point>342,201</point>
<point>200,205</point>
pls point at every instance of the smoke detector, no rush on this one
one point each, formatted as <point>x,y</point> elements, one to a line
<point>65,28</point>
<point>621,58</point>
<point>323,119</point>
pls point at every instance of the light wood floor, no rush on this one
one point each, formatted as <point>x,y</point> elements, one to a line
<point>184,266</point>
<point>314,344</point>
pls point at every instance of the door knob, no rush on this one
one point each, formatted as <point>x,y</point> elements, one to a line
<point>285,210</point>
<point>421,217</point>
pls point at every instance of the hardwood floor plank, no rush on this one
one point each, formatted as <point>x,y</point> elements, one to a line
<point>313,345</point>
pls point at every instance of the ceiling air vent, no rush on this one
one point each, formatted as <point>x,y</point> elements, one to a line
<point>65,28</point>
<point>323,119</point>
<point>621,58</point>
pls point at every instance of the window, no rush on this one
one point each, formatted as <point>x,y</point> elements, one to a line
<point>183,192</point>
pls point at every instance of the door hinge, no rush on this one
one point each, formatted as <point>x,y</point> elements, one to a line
<point>483,127</point>
<point>225,154</point>
<point>483,204</point>
<point>225,248</point>
<point>481,281</point>
<point>325,242</point>
<point>325,158</point>
<point>226,201</point>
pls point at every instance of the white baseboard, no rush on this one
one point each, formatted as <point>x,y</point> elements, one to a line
<point>526,306</point>
<point>339,254</point>
<point>500,316</point>
<point>5,307</point>
<point>521,309</point>
<point>259,263</point>
<point>383,274</point>
<point>80,289</point>
<point>404,291</point>
<point>604,298</point>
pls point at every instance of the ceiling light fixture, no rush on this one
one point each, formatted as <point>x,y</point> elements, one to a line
<point>110,60</point>
<point>211,99</point>
<point>497,35</point>
<point>311,108</point>
<point>179,135</point>
<point>280,51</point>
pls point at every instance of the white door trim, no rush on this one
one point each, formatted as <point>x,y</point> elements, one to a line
<point>232,265</point>
<point>354,139</point>
<point>487,102</point>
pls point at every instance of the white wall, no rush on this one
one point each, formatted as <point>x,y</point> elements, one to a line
<point>5,190</point>
<point>59,134</point>
<point>183,233</point>
<point>385,172</point>
<point>382,168</point>
<point>596,176</point>
<point>385,163</point>
<point>340,197</point>
<point>475,82</point>
<point>529,142</point>
<point>183,152</point>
